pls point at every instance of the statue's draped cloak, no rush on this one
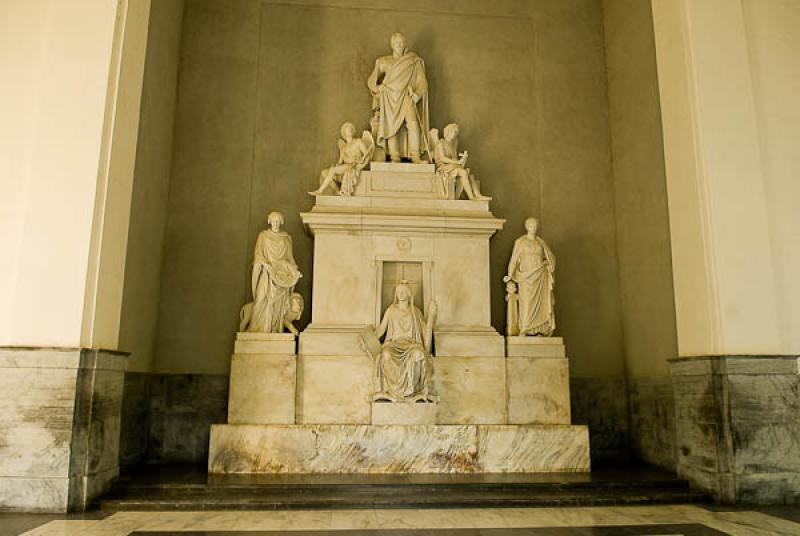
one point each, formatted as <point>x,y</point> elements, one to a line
<point>534,262</point>
<point>406,73</point>
<point>403,368</point>
<point>275,281</point>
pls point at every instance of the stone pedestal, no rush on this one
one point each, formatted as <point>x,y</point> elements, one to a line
<point>263,378</point>
<point>538,381</point>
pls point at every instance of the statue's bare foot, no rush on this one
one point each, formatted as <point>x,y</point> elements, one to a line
<point>315,192</point>
<point>482,197</point>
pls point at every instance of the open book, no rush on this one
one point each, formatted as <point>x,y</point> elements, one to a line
<point>370,342</point>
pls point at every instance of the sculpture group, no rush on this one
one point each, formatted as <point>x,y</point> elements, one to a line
<point>400,128</point>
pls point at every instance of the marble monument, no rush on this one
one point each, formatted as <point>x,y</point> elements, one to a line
<point>399,255</point>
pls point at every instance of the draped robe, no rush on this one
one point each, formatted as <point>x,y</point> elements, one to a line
<point>400,75</point>
<point>274,281</point>
<point>404,369</point>
<point>532,264</point>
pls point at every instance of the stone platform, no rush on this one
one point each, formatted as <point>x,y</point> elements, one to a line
<point>345,449</point>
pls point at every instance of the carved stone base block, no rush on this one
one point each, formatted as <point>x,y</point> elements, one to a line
<point>334,389</point>
<point>262,389</point>
<point>264,343</point>
<point>535,347</point>
<point>403,413</point>
<point>263,379</point>
<point>398,449</point>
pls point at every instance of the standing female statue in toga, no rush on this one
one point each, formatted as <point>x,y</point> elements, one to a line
<point>531,267</point>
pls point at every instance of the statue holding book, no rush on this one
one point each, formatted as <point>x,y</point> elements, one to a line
<point>404,368</point>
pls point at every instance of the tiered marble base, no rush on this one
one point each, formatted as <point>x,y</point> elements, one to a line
<point>398,449</point>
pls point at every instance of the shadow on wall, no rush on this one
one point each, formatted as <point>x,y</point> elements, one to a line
<point>166,418</point>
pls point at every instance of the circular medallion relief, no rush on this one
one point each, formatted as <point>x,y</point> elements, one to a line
<point>404,244</point>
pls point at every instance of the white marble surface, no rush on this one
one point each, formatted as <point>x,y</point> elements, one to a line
<point>472,390</point>
<point>531,449</point>
<point>334,389</point>
<point>262,389</point>
<point>404,413</point>
<point>397,449</point>
<point>535,347</point>
<point>538,390</point>
<point>59,426</point>
<point>264,343</point>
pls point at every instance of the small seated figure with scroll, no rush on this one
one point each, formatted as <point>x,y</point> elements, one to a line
<point>450,166</point>
<point>354,155</point>
<point>404,367</point>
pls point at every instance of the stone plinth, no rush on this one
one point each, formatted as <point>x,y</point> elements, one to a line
<point>538,380</point>
<point>263,379</point>
<point>345,449</point>
<point>264,343</point>
<point>535,347</point>
<point>403,413</point>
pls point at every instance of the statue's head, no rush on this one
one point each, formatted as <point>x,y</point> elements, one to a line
<point>451,132</point>
<point>531,225</point>
<point>398,43</point>
<point>348,130</point>
<point>275,220</point>
<point>402,292</point>
<point>297,304</point>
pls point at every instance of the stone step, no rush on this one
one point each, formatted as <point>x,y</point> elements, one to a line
<point>196,491</point>
<point>395,498</point>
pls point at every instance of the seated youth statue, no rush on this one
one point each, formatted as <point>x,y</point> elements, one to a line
<point>274,276</point>
<point>451,168</point>
<point>354,155</point>
<point>403,369</point>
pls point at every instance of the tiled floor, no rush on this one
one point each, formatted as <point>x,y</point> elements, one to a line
<point>606,521</point>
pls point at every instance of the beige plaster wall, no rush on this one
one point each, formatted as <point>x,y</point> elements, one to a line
<point>151,186</point>
<point>773,38</point>
<point>727,71</point>
<point>640,194</point>
<point>71,75</point>
<point>264,87</point>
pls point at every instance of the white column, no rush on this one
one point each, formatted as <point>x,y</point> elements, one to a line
<point>725,289</point>
<point>72,76</point>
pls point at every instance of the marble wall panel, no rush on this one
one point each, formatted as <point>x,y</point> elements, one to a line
<point>737,426</point>
<point>472,390</point>
<point>334,389</point>
<point>526,449</point>
<point>183,408</point>
<point>59,437</point>
<point>652,413</point>
<point>538,390</point>
<point>601,403</point>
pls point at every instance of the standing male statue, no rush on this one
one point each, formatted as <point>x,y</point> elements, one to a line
<point>400,98</point>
